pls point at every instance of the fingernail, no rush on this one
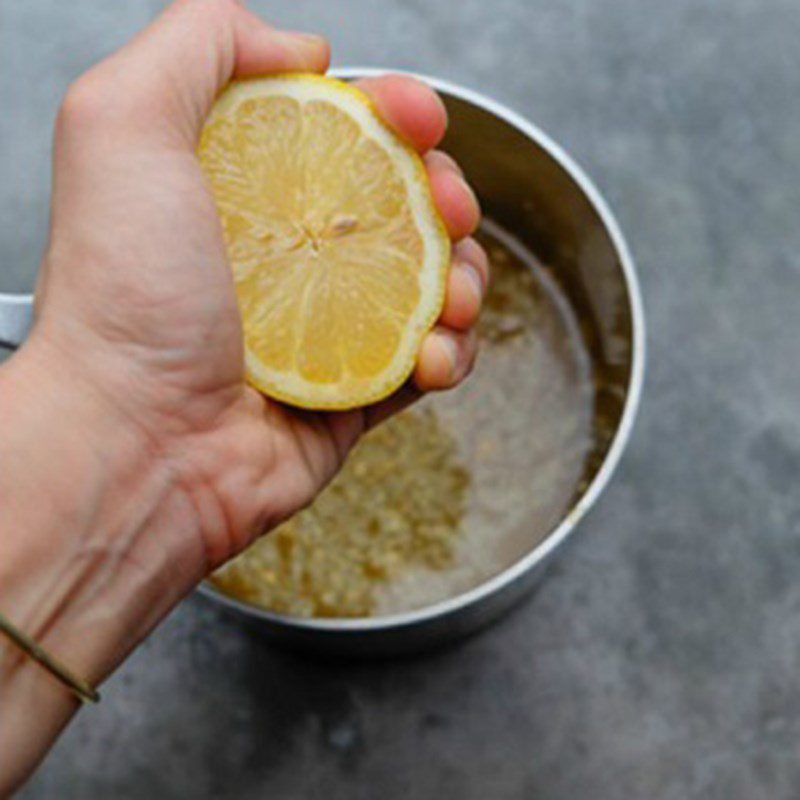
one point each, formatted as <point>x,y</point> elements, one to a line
<point>452,163</point>
<point>474,278</point>
<point>474,197</point>
<point>438,159</point>
<point>310,39</point>
<point>448,347</point>
<point>443,106</point>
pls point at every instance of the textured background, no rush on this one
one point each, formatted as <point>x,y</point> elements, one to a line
<point>661,658</point>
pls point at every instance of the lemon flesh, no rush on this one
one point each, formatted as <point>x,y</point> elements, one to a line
<point>339,256</point>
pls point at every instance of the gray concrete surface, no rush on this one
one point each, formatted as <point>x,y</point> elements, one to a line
<point>661,660</point>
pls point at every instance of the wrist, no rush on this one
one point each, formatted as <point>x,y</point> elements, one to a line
<point>89,554</point>
<point>93,544</point>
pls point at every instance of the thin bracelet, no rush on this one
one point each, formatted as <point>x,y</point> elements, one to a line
<point>81,689</point>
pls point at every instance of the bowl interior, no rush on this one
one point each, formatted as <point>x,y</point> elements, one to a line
<point>529,193</point>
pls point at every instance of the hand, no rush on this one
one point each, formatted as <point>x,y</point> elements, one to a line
<point>137,295</point>
<point>128,403</point>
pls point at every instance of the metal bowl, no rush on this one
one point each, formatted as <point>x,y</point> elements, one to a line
<point>533,189</point>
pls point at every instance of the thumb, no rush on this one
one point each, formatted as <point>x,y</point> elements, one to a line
<point>165,80</point>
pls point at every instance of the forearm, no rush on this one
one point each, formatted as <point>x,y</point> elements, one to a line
<point>89,551</point>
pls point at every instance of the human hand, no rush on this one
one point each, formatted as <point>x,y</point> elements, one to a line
<point>142,460</point>
<point>136,293</point>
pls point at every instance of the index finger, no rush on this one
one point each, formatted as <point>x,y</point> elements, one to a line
<point>409,106</point>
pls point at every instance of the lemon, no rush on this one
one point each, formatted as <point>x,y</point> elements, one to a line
<point>338,253</point>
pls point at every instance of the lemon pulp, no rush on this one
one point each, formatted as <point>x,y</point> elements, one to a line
<point>338,254</point>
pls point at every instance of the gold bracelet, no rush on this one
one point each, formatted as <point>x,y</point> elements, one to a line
<point>81,689</point>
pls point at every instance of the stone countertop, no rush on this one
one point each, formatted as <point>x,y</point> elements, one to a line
<point>660,659</point>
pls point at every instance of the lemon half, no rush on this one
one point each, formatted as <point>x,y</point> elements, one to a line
<point>338,253</point>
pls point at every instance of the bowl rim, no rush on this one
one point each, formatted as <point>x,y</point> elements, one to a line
<point>540,552</point>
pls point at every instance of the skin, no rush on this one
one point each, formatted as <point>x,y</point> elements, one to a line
<point>141,460</point>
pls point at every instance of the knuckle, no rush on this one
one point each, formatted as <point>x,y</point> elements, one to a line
<point>222,10</point>
<point>83,103</point>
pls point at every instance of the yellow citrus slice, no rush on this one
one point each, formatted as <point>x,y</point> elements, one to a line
<point>338,254</point>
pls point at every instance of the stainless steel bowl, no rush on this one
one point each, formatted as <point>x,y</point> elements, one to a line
<point>533,189</point>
